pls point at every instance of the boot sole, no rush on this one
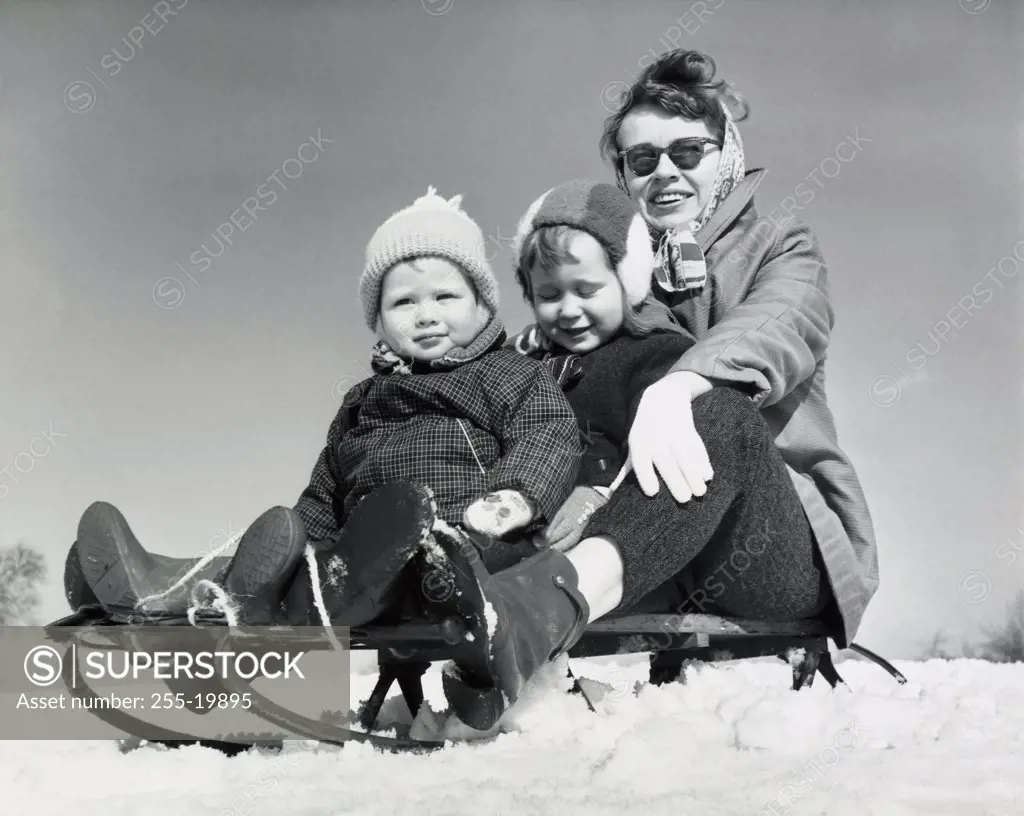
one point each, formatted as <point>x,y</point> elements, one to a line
<point>267,555</point>
<point>104,539</point>
<point>381,536</point>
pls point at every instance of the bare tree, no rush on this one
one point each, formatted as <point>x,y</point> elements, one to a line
<point>939,648</point>
<point>936,648</point>
<point>1005,643</point>
<point>22,571</point>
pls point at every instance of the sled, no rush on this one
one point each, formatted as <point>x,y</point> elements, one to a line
<point>406,650</point>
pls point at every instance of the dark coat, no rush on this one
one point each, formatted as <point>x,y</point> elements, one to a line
<point>604,387</point>
<point>606,395</point>
<point>488,421</point>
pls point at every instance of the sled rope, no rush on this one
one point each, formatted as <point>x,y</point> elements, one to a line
<point>318,596</point>
<point>199,565</point>
<point>626,468</point>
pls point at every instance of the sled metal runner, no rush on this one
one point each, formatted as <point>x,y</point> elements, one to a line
<point>406,650</point>
<point>97,619</point>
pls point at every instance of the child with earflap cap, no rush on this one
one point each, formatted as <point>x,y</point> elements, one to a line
<point>585,262</point>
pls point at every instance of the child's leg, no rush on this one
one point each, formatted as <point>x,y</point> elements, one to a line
<point>358,570</point>
<point>259,574</point>
<point>598,563</point>
<point>498,554</point>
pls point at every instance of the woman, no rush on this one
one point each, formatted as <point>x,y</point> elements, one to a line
<point>753,467</point>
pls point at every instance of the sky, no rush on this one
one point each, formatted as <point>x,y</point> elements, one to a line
<point>189,378</point>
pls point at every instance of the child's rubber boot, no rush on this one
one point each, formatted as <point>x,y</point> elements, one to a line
<point>518,620</point>
<point>359,569</point>
<point>261,570</point>
<point>119,571</point>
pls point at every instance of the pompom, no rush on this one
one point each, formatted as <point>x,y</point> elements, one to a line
<point>433,201</point>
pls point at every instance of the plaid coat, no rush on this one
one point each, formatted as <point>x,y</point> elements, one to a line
<point>489,420</point>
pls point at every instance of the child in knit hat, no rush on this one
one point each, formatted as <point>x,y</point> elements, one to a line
<point>448,407</point>
<point>453,431</point>
<point>584,261</point>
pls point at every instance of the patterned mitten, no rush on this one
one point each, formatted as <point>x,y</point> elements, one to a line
<point>498,513</point>
<point>566,528</point>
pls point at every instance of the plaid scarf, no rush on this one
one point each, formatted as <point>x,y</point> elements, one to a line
<point>679,263</point>
<point>385,360</point>
<point>566,368</point>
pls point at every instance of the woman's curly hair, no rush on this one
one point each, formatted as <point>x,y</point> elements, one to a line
<point>679,82</point>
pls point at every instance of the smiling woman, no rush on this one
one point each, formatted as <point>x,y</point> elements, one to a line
<point>763,321</point>
<point>678,154</point>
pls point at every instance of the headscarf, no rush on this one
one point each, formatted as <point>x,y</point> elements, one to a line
<point>679,263</point>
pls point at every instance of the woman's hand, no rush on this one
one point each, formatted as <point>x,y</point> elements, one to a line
<point>663,439</point>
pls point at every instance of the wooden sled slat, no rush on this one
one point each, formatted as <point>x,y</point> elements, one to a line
<point>698,624</point>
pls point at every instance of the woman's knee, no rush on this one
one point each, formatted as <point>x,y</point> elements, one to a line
<point>772,598</point>
<point>730,413</point>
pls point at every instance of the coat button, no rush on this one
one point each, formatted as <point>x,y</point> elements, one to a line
<point>559,580</point>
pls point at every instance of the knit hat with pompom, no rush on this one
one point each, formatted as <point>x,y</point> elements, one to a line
<point>430,227</point>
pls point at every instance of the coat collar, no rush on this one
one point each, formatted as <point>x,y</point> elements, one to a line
<point>492,336</point>
<point>730,209</point>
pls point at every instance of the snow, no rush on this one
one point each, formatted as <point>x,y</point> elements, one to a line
<point>492,620</point>
<point>732,739</point>
<point>337,571</point>
<point>435,556</point>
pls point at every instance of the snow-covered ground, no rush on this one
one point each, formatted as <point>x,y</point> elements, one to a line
<point>733,740</point>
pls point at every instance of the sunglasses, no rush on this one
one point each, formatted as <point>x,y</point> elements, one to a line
<point>685,154</point>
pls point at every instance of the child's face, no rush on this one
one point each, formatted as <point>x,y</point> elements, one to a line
<point>579,305</point>
<point>428,308</point>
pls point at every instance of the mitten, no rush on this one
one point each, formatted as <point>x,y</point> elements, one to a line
<point>499,513</point>
<point>566,528</point>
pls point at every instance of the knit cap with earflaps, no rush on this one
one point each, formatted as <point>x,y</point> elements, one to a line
<point>431,226</point>
<point>606,213</point>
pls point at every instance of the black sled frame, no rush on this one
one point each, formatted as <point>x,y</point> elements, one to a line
<point>405,652</point>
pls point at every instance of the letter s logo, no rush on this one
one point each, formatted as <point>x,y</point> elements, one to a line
<point>43,665</point>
